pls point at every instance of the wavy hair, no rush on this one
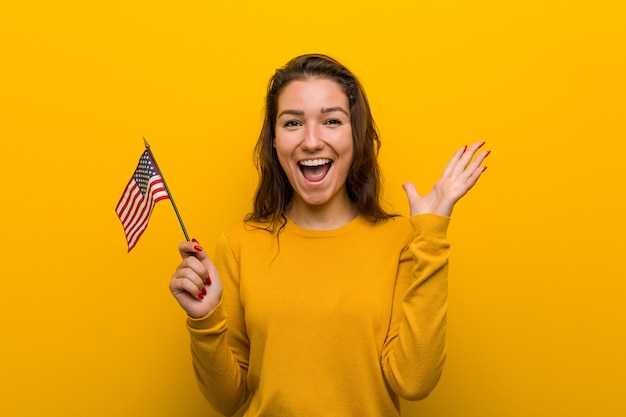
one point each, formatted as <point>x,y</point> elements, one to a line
<point>363,184</point>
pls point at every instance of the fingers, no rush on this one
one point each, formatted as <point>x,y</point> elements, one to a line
<point>410,190</point>
<point>412,195</point>
<point>459,176</point>
<point>196,284</point>
<point>189,281</point>
<point>466,162</point>
<point>471,153</point>
<point>475,169</point>
<point>194,272</point>
<point>193,249</point>
<point>190,276</point>
<point>190,248</point>
<point>454,161</point>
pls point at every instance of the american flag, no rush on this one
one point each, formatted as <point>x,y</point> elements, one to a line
<point>143,191</point>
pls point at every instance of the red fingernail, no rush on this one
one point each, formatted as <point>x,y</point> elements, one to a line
<point>198,248</point>
<point>487,154</point>
<point>194,240</point>
<point>484,168</point>
<point>203,291</point>
<point>208,280</point>
<point>200,295</point>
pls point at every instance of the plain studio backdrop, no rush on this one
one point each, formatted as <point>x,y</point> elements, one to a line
<point>536,319</point>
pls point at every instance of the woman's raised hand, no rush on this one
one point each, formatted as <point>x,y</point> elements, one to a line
<point>458,178</point>
<point>196,284</point>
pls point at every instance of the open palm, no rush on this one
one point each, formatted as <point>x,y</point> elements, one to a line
<point>459,176</point>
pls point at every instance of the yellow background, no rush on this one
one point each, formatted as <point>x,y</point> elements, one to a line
<point>536,320</point>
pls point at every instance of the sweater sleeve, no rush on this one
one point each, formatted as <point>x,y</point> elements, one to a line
<point>219,344</point>
<point>415,349</point>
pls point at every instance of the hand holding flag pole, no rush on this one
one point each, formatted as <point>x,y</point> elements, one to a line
<point>146,187</point>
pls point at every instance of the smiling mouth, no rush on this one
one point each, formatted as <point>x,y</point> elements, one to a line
<point>315,170</point>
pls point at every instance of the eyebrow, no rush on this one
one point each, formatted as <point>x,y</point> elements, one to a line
<point>324,110</point>
<point>332,109</point>
<point>294,112</point>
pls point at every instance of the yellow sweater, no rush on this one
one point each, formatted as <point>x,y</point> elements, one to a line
<point>326,323</point>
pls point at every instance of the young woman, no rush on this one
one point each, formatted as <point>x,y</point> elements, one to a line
<point>321,303</point>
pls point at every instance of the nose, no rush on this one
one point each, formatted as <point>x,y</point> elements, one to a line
<point>312,140</point>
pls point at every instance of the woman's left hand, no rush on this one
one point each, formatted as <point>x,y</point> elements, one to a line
<point>458,178</point>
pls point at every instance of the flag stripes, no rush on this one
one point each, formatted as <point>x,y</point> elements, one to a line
<point>144,190</point>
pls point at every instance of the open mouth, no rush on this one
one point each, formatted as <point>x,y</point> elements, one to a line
<point>315,170</point>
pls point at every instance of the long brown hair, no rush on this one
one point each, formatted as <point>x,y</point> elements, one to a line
<point>363,184</point>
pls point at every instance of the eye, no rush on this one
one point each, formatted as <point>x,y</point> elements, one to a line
<point>291,123</point>
<point>333,122</point>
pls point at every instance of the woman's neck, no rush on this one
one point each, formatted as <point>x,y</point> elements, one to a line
<point>324,216</point>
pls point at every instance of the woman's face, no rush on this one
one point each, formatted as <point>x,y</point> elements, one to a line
<point>314,141</point>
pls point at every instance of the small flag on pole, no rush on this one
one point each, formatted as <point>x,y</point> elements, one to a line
<point>145,188</point>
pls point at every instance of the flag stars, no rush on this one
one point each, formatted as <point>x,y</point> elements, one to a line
<point>145,171</point>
